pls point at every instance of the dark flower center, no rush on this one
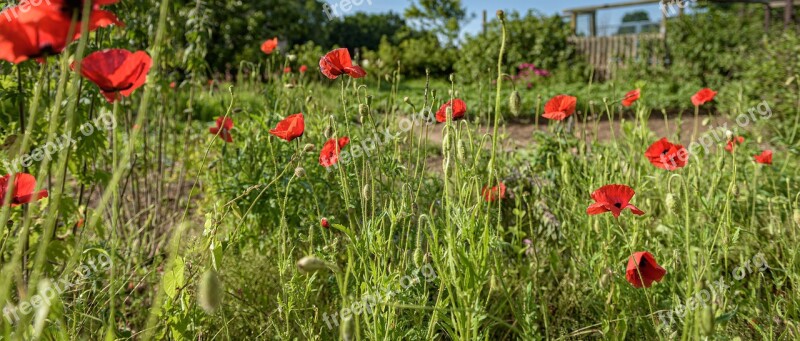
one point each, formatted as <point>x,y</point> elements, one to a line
<point>665,151</point>
<point>618,205</point>
<point>44,51</point>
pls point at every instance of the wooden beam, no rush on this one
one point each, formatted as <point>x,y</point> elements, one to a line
<point>767,17</point>
<point>589,9</point>
<point>787,13</point>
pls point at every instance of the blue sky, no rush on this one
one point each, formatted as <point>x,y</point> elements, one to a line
<point>605,17</point>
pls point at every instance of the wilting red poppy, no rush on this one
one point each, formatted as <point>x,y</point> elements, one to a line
<point>223,128</point>
<point>665,155</point>
<point>303,69</point>
<point>287,69</point>
<point>459,109</point>
<point>703,96</point>
<point>630,97</point>
<point>494,193</point>
<point>560,107</point>
<point>733,143</point>
<point>324,222</point>
<point>290,127</point>
<point>22,38</point>
<point>614,199</point>
<point>117,72</point>
<point>329,155</point>
<point>337,63</point>
<point>24,184</point>
<point>269,45</point>
<point>643,270</point>
<point>765,157</point>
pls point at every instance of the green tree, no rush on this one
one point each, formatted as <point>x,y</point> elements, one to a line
<point>442,17</point>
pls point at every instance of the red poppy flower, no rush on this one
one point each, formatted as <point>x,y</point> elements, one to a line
<point>24,184</point>
<point>324,222</point>
<point>269,45</point>
<point>733,143</point>
<point>666,155</point>
<point>630,97</point>
<point>703,96</point>
<point>494,193</point>
<point>337,63</point>
<point>614,199</point>
<point>173,85</point>
<point>22,39</point>
<point>560,107</point>
<point>290,127</point>
<point>117,72</point>
<point>303,69</point>
<point>459,109</point>
<point>64,9</point>
<point>329,155</point>
<point>223,128</point>
<point>287,69</point>
<point>765,157</point>
<point>643,270</point>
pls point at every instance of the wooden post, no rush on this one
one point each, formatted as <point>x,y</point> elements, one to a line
<point>787,13</point>
<point>484,22</point>
<point>663,29</point>
<point>767,16</point>
<point>574,23</point>
<point>593,24</point>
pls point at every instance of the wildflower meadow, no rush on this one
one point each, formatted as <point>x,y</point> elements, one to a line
<point>310,170</point>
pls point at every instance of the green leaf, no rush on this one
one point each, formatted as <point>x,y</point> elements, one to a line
<point>173,279</point>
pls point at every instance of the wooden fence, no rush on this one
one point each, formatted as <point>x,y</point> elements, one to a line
<point>608,53</point>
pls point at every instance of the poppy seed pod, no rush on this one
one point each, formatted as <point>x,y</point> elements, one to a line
<point>311,264</point>
<point>299,172</point>
<point>515,103</point>
<point>309,148</point>
<point>210,292</point>
<point>501,15</point>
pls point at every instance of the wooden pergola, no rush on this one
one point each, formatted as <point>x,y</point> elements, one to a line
<point>591,11</point>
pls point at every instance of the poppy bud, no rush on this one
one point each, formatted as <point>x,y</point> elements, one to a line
<point>729,135</point>
<point>289,86</point>
<point>670,203</point>
<point>365,192</point>
<point>348,328</point>
<point>418,257</point>
<point>433,93</point>
<point>369,100</point>
<point>299,172</point>
<point>310,264</point>
<point>515,103</point>
<point>706,320</point>
<point>407,100</point>
<point>387,77</point>
<point>363,109</point>
<point>796,216</point>
<point>446,144</point>
<point>309,99</point>
<point>460,150</point>
<point>735,190</point>
<point>210,292</point>
<point>327,132</point>
<point>452,77</point>
<point>237,110</point>
<point>449,112</point>
<point>309,148</point>
<point>501,15</point>
<point>324,222</point>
